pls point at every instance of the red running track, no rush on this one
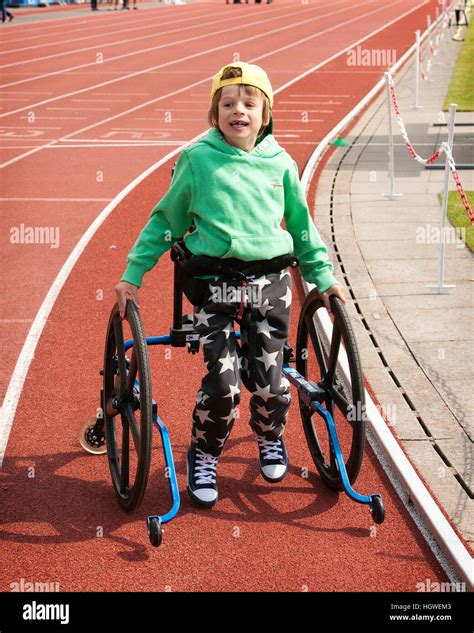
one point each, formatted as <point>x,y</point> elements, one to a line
<point>78,126</point>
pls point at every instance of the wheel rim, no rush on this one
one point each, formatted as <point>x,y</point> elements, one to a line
<point>317,362</point>
<point>127,410</point>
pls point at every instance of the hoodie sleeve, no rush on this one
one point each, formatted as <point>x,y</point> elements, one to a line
<point>308,246</point>
<point>170,219</point>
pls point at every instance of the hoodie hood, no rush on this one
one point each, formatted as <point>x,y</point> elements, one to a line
<point>266,147</point>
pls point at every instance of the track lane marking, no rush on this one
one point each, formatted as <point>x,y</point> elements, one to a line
<point>170,45</point>
<point>101,45</point>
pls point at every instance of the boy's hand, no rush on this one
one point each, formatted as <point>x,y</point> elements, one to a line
<point>124,291</point>
<point>336,290</point>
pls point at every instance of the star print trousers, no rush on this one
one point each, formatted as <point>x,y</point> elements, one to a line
<point>256,361</point>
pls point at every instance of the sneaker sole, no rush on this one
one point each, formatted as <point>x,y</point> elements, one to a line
<point>200,502</point>
<point>274,481</point>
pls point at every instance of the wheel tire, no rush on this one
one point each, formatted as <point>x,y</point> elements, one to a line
<point>128,443</point>
<point>377,509</point>
<point>318,365</point>
<point>156,533</point>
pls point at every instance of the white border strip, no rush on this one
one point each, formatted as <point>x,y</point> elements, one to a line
<point>450,543</point>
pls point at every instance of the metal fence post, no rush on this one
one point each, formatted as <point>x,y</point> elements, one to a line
<point>441,286</point>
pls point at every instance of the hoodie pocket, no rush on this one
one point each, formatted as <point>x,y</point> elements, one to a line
<point>253,248</point>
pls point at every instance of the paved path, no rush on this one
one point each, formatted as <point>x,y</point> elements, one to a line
<point>416,344</point>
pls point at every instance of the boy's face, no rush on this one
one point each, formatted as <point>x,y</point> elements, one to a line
<point>240,116</point>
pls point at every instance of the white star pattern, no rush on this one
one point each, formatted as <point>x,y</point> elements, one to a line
<point>199,435</point>
<point>265,307</point>
<point>201,397</point>
<point>234,391</point>
<point>202,415</point>
<point>284,273</point>
<point>263,412</point>
<point>269,358</point>
<point>206,339</point>
<point>264,393</point>
<point>227,362</point>
<point>261,282</point>
<point>202,317</point>
<point>263,327</point>
<point>286,298</point>
<point>230,417</point>
<point>222,441</point>
<point>265,427</point>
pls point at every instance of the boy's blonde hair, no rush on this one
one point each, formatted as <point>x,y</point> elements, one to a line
<point>213,115</point>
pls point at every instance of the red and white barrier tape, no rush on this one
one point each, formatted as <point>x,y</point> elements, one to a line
<point>433,49</point>
<point>444,147</point>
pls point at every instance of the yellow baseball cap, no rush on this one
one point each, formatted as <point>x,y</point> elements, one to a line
<point>252,75</point>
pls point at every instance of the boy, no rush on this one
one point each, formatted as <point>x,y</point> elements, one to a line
<point>237,185</point>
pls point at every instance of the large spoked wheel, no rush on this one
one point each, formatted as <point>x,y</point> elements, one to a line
<point>127,405</point>
<point>316,360</point>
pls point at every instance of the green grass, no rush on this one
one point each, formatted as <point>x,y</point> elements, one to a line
<point>458,216</point>
<point>461,88</point>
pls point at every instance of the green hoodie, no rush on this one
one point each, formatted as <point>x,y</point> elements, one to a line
<point>237,201</point>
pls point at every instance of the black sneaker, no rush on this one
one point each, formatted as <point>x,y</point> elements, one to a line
<point>273,459</point>
<point>202,486</point>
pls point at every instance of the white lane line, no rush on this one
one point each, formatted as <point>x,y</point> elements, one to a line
<point>170,45</point>
<point>16,320</point>
<point>102,46</point>
<point>82,109</point>
<point>144,27</point>
<point>10,403</point>
<point>89,27</point>
<point>320,95</point>
<point>55,199</point>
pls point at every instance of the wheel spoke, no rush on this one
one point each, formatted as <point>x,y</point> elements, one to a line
<point>118,332</point>
<point>317,344</point>
<point>125,461</point>
<point>132,374</point>
<point>333,354</point>
<point>133,425</point>
<point>339,400</point>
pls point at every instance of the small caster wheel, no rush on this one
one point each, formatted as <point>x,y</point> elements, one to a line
<point>376,509</point>
<point>90,439</point>
<point>155,532</point>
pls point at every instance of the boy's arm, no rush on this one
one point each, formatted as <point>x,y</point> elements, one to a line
<point>308,246</point>
<point>170,219</point>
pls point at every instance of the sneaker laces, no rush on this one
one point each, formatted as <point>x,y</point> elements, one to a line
<point>205,468</point>
<point>270,449</point>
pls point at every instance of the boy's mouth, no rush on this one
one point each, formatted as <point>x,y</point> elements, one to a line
<point>238,124</point>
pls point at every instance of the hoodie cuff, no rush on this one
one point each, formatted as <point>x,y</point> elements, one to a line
<point>324,280</point>
<point>134,275</point>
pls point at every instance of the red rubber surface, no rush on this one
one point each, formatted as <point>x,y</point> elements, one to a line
<point>60,520</point>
